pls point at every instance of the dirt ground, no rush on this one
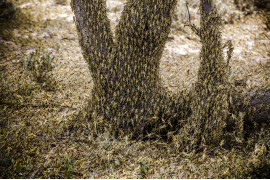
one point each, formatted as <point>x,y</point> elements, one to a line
<point>30,115</point>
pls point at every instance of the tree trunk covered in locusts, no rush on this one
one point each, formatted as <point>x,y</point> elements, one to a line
<point>127,95</point>
<point>220,116</point>
<point>128,98</point>
<point>211,106</point>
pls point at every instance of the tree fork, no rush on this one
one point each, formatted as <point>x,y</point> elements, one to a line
<point>127,93</point>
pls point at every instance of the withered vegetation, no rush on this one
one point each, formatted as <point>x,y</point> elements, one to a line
<point>150,107</point>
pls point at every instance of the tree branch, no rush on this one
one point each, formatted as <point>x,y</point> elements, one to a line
<point>94,32</point>
<point>192,26</point>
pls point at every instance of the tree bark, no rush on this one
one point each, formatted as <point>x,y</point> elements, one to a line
<point>128,99</point>
<point>210,107</point>
<point>219,114</point>
<point>125,68</point>
<point>257,106</point>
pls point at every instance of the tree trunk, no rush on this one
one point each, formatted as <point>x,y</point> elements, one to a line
<point>211,105</point>
<point>127,95</point>
<point>128,99</point>
<point>257,106</point>
<point>219,114</point>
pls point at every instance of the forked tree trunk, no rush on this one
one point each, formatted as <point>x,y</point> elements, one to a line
<point>127,95</point>
<point>128,98</point>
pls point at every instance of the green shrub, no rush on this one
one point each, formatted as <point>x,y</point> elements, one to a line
<point>143,169</point>
<point>40,66</point>
<point>68,167</point>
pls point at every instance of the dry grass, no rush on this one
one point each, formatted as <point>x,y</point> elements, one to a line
<point>32,119</point>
